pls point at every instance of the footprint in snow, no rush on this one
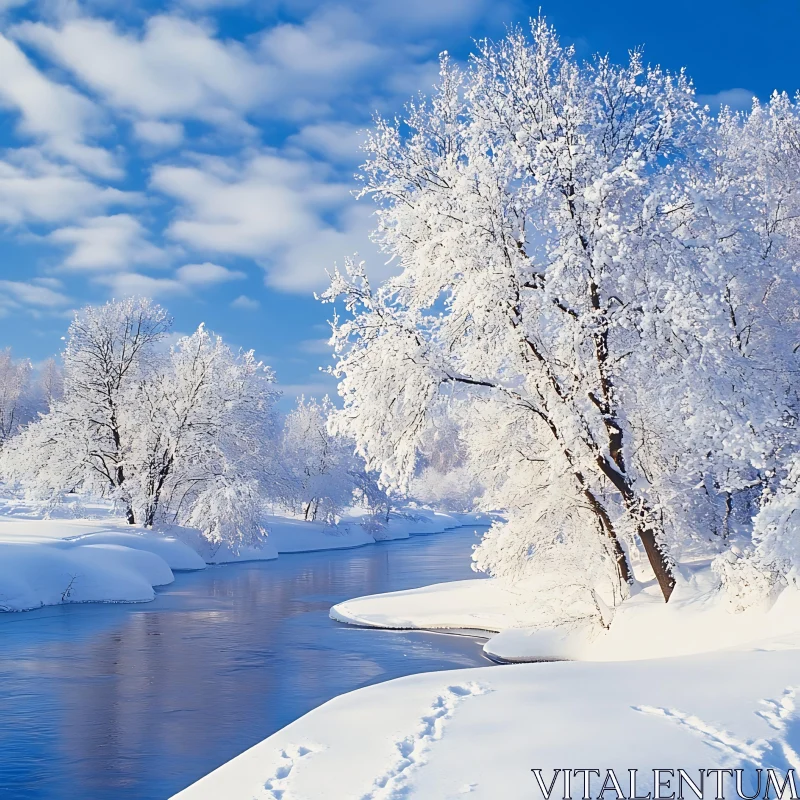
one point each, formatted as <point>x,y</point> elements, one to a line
<point>778,751</point>
<point>276,787</point>
<point>412,750</point>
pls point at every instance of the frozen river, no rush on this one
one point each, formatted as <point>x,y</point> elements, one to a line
<point>138,701</point>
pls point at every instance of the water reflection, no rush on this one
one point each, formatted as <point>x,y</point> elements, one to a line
<point>109,701</point>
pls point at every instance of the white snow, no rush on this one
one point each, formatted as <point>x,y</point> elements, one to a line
<point>421,521</point>
<point>44,573</point>
<point>74,533</point>
<point>726,697</point>
<point>480,732</point>
<point>48,556</point>
<point>221,552</point>
<point>697,619</point>
<point>480,604</point>
<point>298,536</point>
<point>53,561</point>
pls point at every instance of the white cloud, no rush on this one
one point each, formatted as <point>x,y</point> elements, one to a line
<point>207,274</point>
<point>150,83</point>
<point>414,78</point>
<point>36,190</point>
<point>412,17</point>
<point>52,283</point>
<point>208,5</point>
<point>336,141</point>
<point>29,294</point>
<point>52,113</point>
<point>326,385</point>
<point>301,265</point>
<point>113,242</point>
<point>246,303</point>
<point>162,134</point>
<point>736,99</point>
<point>126,284</point>
<point>176,68</point>
<point>323,46</point>
<point>281,212</point>
<point>186,278</point>
<point>261,207</point>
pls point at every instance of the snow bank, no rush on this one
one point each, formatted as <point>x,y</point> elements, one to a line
<point>44,573</point>
<point>48,556</point>
<point>220,553</point>
<point>694,621</point>
<point>697,619</point>
<point>53,561</point>
<point>298,536</point>
<point>412,522</point>
<point>357,529</point>
<point>174,552</point>
<point>480,604</point>
<point>480,732</point>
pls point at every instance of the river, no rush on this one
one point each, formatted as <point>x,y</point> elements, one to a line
<point>103,701</point>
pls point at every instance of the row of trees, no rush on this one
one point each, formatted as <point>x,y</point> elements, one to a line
<point>599,285</point>
<point>185,434</point>
<point>165,433</point>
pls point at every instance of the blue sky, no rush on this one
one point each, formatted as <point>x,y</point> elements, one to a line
<point>202,151</point>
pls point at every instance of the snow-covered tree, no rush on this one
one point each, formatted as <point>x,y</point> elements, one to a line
<point>15,400</point>
<point>444,478</point>
<point>178,437</point>
<point>205,429</point>
<point>318,464</point>
<point>596,280</point>
<point>49,384</point>
<point>83,440</point>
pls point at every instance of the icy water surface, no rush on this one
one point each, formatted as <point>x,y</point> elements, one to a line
<point>138,701</point>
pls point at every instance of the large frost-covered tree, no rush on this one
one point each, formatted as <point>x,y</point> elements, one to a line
<point>596,279</point>
<point>207,420</point>
<point>203,418</point>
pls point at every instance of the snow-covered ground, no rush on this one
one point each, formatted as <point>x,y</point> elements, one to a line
<point>727,698</point>
<point>697,619</point>
<point>480,732</point>
<point>75,553</point>
<point>689,684</point>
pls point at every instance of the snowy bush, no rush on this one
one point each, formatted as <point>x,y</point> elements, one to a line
<point>772,559</point>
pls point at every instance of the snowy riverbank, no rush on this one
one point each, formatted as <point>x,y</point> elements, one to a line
<point>697,619</point>
<point>48,560</point>
<point>480,732</point>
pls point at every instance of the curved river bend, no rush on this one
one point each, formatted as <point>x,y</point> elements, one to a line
<point>138,701</point>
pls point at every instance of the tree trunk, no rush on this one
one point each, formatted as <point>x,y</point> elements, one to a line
<point>659,562</point>
<point>623,568</point>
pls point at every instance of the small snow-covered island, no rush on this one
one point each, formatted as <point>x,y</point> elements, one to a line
<point>574,357</point>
